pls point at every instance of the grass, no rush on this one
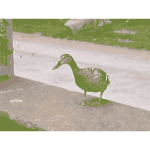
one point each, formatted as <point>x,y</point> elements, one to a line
<point>6,124</point>
<point>101,35</point>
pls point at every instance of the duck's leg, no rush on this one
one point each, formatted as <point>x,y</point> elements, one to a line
<point>97,104</point>
<point>84,103</point>
<point>100,98</point>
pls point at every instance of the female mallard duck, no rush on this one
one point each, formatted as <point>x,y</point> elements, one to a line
<point>88,79</point>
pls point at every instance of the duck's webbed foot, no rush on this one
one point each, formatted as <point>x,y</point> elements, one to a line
<point>96,104</point>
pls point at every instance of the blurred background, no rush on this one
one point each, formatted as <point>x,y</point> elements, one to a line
<point>133,33</point>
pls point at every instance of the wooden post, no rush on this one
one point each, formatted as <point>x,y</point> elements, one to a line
<point>10,49</point>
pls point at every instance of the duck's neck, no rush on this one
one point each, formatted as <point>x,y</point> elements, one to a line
<point>73,65</point>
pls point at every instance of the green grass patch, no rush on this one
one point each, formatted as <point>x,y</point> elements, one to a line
<point>6,124</point>
<point>96,34</point>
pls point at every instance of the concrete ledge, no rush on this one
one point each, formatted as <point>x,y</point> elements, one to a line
<point>54,108</point>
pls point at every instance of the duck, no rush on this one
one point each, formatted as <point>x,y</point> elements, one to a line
<point>88,79</point>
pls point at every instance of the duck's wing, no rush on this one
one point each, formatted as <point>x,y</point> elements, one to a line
<point>91,79</point>
<point>94,75</point>
<point>85,72</point>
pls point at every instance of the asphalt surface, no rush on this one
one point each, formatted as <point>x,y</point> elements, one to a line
<point>129,69</point>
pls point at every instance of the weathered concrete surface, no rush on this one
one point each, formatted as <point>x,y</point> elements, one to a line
<point>54,108</point>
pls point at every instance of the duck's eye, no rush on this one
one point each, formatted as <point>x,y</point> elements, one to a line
<point>63,60</point>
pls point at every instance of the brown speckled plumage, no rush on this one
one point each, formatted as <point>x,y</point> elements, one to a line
<point>91,79</point>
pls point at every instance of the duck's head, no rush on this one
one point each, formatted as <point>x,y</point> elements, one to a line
<point>64,59</point>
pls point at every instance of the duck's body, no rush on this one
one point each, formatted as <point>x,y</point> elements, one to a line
<point>91,79</point>
<point>88,79</point>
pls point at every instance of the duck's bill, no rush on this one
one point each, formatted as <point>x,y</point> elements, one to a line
<point>57,65</point>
